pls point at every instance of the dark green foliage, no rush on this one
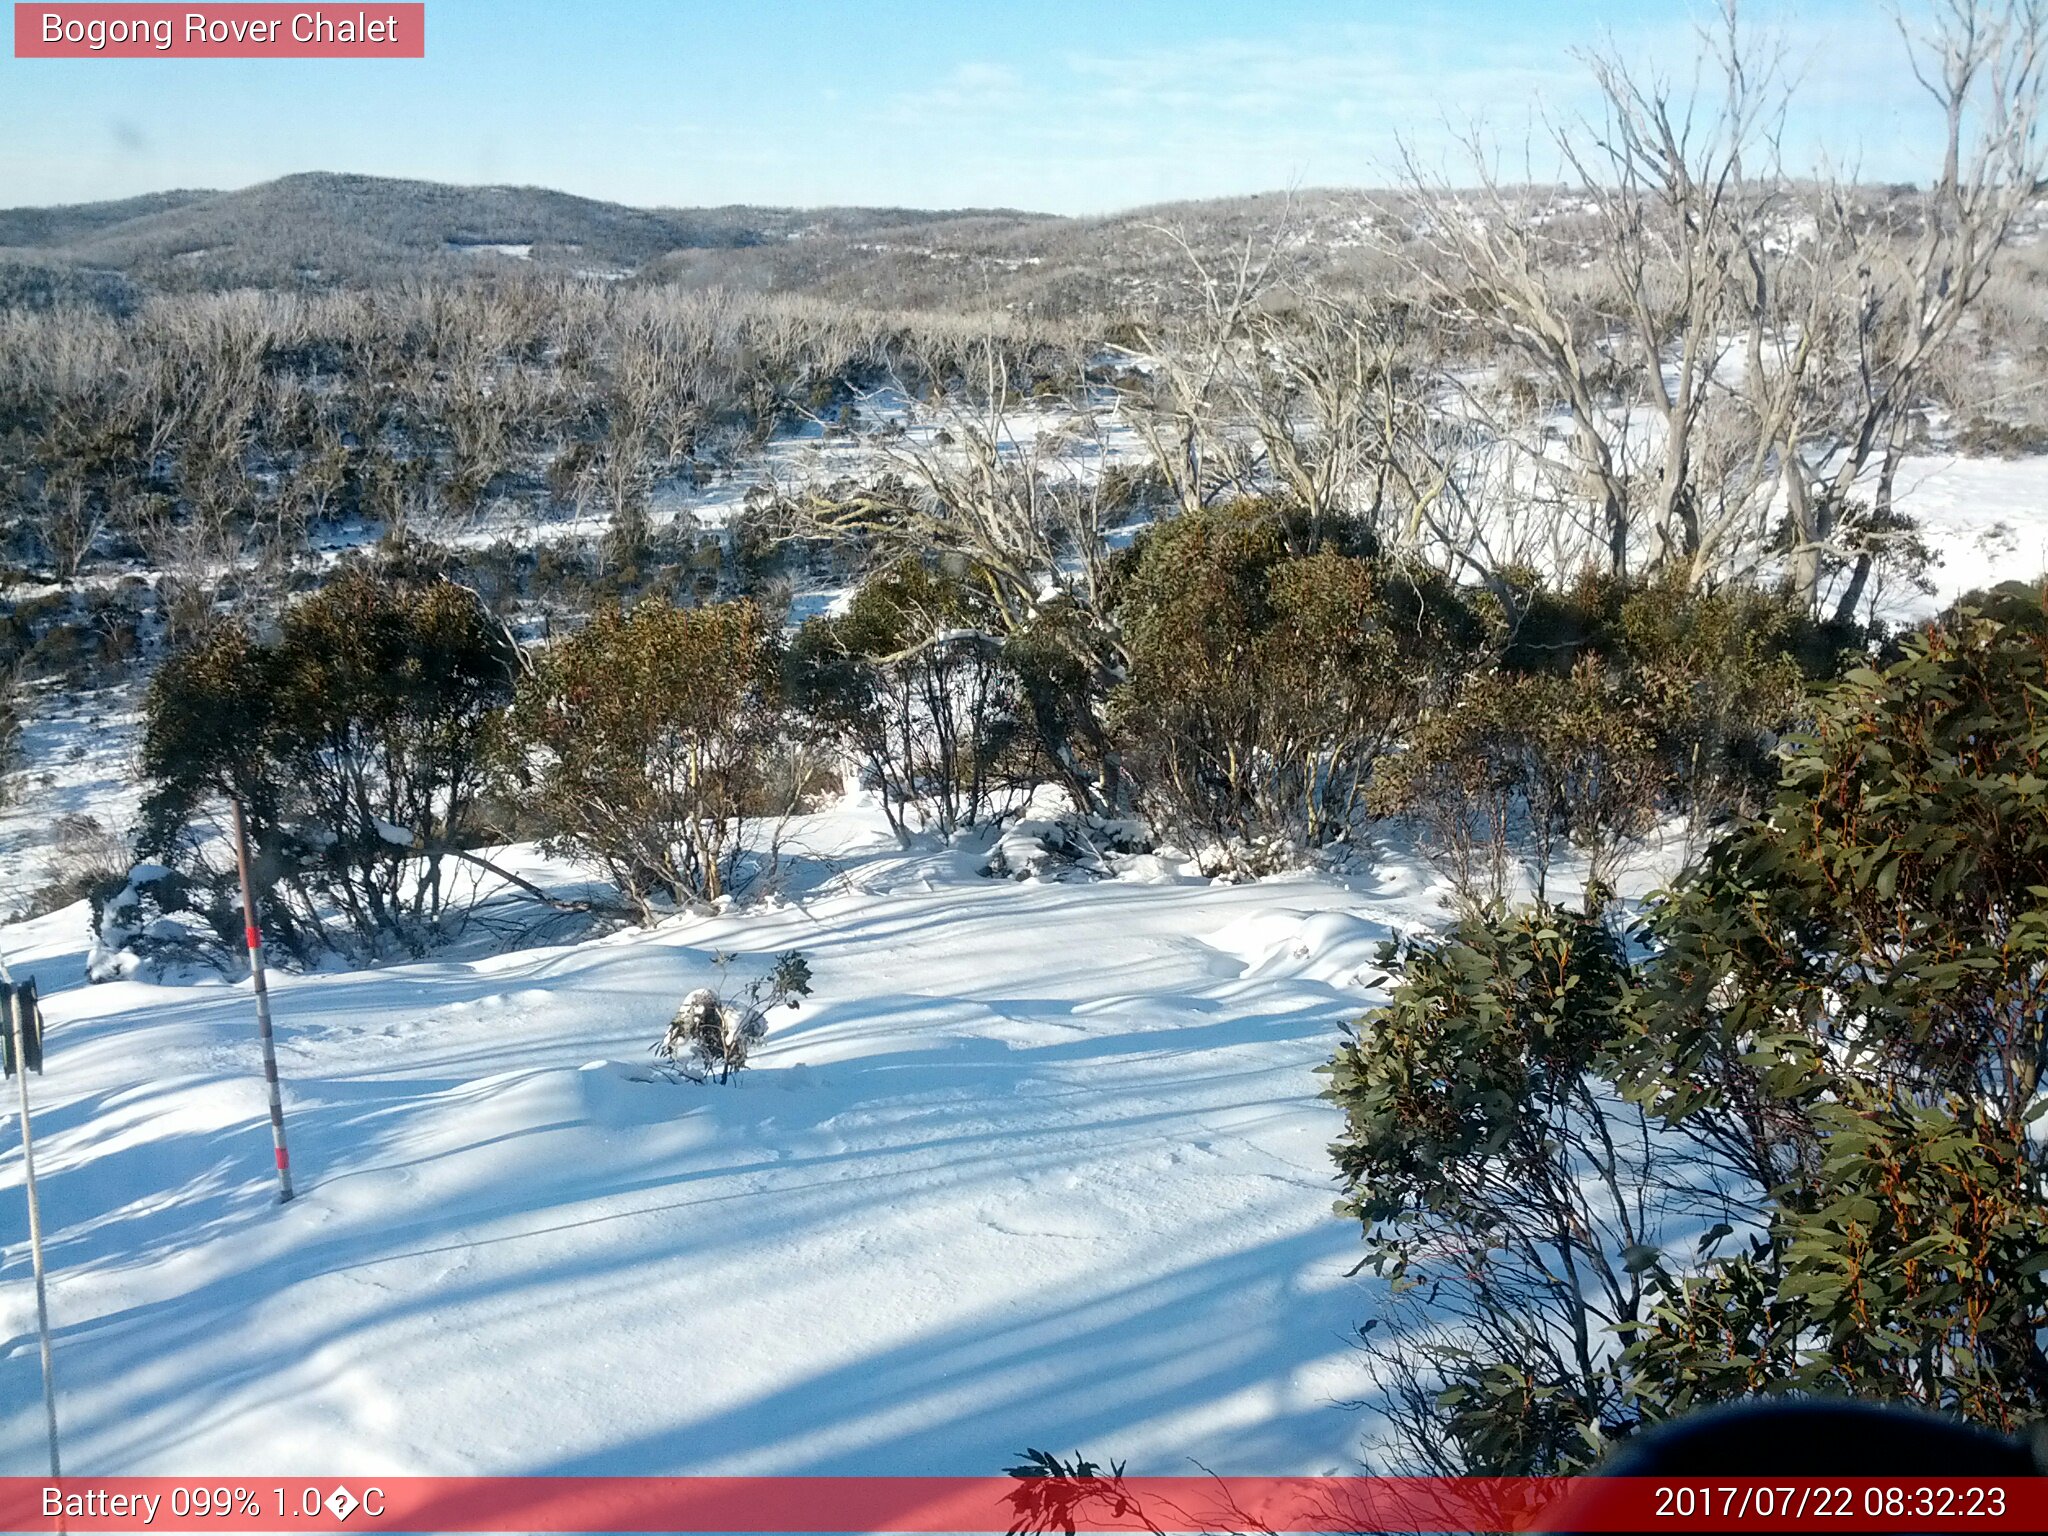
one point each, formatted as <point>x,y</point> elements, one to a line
<point>2014,603</point>
<point>1855,1015</point>
<point>1486,1033</point>
<point>788,980</point>
<point>371,713</point>
<point>209,729</point>
<point>1716,674</point>
<point>1612,705</point>
<point>1272,697</point>
<point>1838,1033</point>
<point>1059,658</point>
<point>1263,687</point>
<point>1492,1173</point>
<point>1905,1264</point>
<point>389,697</point>
<point>1892,898</point>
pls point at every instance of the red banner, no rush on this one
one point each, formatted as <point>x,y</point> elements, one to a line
<point>931,1504</point>
<point>117,31</point>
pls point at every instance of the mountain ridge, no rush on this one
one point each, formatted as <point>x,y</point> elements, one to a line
<point>347,224</point>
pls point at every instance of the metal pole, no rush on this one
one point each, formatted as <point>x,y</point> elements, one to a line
<point>255,938</point>
<point>35,1226</point>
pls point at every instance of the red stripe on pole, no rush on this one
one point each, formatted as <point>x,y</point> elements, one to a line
<point>283,1158</point>
<point>255,939</point>
<point>989,1504</point>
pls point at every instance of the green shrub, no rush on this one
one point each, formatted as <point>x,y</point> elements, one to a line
<point>1518,764</point>
<point>1482,1156</point>
<point>1612,705</point>
<point>1718,677</point>
<point>1854,1007</point>
<point>641,739</point>
<point>1791,1148</point>
<point>1263,688</point>
<point>358,743</point>
<point>911,685</point>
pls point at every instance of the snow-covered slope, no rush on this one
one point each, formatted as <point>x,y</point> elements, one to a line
<point>1038,1163</point>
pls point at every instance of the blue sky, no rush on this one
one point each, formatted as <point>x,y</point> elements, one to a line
<point>1046,104</point>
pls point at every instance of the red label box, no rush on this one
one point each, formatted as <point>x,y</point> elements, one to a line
<point>368,29</point>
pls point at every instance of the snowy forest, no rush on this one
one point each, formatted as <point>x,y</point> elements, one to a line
<point>894,804</point>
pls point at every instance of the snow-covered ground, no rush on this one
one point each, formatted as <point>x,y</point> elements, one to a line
<point>1038,1163</point>
<point>78,760</point>
<point>1986,520</point>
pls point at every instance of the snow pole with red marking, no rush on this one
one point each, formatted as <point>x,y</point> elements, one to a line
<point>21,1017</point>
<point>254,934</point>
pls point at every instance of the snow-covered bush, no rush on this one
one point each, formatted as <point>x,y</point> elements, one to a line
<point>709,1038</point>
<point>153,918</point>
<point>712,1035</point>
<point>1050,840</point>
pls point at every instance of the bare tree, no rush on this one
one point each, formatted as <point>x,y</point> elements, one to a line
<point>1918,268</point>
<point>1718,339</point>
<point>1621,291</point>
<point>1015,506</point>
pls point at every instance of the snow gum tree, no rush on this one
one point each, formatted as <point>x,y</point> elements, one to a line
<point>1726,352</point>
<point>1264,686</point>
<point>910,684</point>
<point>1013,510</point>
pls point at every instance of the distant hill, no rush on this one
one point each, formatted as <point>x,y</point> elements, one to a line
<point>321,227</point>
<point>44,227</point>
<point>323,230</point>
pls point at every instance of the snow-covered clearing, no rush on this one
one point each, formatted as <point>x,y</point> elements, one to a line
<point>1987,520</point>
<point>1037,1163</point>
